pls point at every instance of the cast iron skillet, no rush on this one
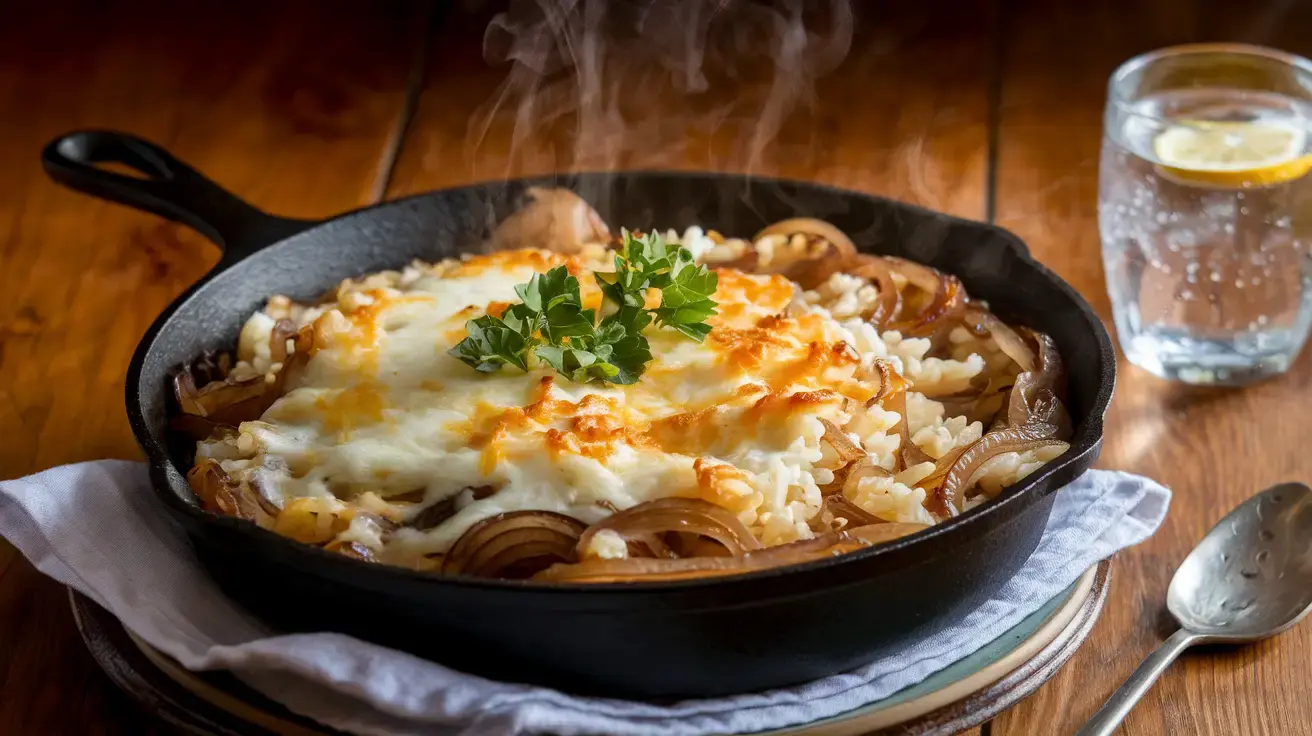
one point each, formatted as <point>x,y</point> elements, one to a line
<point>652,640</point>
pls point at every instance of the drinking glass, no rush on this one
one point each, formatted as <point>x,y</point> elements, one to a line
<point>1205,208</point>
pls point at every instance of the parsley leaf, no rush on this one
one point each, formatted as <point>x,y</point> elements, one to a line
<point>550,322</point>
<point>629,350</point>
<point>686,301</point>
<point>491,344</point>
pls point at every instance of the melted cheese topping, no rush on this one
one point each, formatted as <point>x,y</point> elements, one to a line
<point>383,420</point>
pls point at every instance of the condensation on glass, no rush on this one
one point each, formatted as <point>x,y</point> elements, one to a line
<point>1208,265</point>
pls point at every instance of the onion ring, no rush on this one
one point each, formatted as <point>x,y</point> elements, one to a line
<point>946,485</point>
<point>516,544</point>
<point>810,252</point>
<point>646,522</point>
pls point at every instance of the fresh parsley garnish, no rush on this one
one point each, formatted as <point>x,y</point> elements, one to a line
<point>550,322</point>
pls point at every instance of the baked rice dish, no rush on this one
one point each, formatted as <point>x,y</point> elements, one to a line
<point>573,405</point>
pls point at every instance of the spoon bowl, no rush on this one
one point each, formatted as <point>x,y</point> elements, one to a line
<point>1249,579</point>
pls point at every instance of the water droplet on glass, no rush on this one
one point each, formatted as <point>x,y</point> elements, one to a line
<point>1250,574</point>
<point>1225,557</point>
<point>1266,535</point>
<point>1215,277</point>
<point>1243,210</point>
<point>1161,217</point>
<point>1228,229</point>
<point>1263,556</point>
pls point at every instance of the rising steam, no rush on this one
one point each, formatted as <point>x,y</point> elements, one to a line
<point>596,85</point>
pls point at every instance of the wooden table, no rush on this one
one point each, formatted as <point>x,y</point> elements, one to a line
<point>987,109</point>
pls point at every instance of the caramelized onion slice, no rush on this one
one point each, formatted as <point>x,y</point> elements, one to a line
<point>861,469</point>
<point>979,320</point>
<point>282,331</point>
<point>806,250</point>
<point>1048,379</point>
<point>551,218</point>
<point>845,450</point>
<point>947,298</point>
<point>876,270</point>
<point>908,453</point>
<point>946,497</point>
<point>811,226</point>
<point>516,544</point>
<point>226,401</point>
<point>220,494</point>
<point>839,506</point>
<point>979,404</point>
<point>646,522</point>
<point>648,570</point>
<point>890,382</point>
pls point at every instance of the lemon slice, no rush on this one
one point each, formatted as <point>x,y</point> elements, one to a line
<point>1232,154</point>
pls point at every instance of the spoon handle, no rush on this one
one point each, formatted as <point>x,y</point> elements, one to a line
<point>1105,721</point>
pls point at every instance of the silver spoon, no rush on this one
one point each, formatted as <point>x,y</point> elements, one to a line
<point>1249,579</point>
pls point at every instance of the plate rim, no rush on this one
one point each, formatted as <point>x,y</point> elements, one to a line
<point>960,704</point>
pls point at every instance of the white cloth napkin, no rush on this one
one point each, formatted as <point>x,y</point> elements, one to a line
<point>97,528</point>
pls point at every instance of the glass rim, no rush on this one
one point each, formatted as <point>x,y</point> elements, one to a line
<point>1137,63</point>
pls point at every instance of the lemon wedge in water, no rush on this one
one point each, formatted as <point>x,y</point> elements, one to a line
<point>1232,154</point>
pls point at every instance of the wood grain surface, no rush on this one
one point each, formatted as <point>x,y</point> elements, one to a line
<point>981,108</point>
<point>905,114</point>
<point>289,103</point>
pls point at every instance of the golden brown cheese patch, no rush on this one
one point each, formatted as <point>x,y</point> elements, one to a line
<point>742,298</point>
<point>357,406</point>
<point>540,261</point>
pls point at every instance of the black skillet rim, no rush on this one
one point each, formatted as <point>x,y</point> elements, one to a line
<point>1086,439</point>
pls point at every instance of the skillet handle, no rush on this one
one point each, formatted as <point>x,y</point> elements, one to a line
<point>166,187</point>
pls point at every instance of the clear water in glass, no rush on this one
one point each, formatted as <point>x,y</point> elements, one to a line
<point>1209,283</point>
